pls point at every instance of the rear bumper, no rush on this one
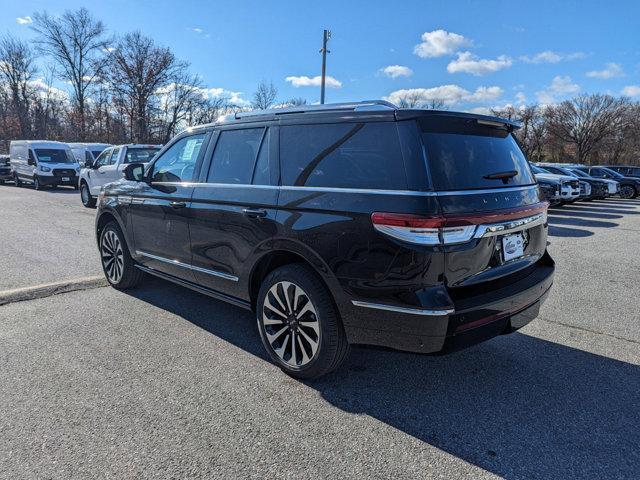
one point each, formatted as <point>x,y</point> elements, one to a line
<point>468,321</point>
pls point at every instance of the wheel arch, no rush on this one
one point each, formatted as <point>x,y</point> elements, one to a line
<point>107,216</point>
<point>281,256</point>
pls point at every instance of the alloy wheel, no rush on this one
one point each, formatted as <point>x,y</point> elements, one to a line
<point>112,256</point>
<point>290,323</point>
<point>627,191</point>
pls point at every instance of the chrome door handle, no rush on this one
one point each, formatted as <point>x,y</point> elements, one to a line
<point>177,204</point>
<point>254,213</point>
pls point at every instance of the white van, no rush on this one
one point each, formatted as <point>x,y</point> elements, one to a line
<point>43,162</point>
<point>86,153</point>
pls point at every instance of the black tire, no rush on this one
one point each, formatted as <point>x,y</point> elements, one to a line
<point>36,183</point>
<point>332,347</point>
<point>125,275</point>
<point>86,198</point>
<point>16,180</point>
<point>628,191</point>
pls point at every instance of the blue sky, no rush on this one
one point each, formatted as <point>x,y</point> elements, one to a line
<point>473,54</point>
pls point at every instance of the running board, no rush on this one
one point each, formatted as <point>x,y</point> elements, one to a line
<point>200,289</point>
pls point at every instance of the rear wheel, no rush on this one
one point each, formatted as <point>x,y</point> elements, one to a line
<point>299,324</point>
<point>117,264</point>
<point>88,200</point>
<point>627,191</point>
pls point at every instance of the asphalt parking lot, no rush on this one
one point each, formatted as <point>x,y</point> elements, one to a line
<point>164,382</point>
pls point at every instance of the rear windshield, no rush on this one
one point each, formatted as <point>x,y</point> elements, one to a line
<point>463,154</point>
<point>140,155</point>
<point>51,155</point>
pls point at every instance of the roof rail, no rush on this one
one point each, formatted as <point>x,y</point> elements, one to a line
<point>329,107</point>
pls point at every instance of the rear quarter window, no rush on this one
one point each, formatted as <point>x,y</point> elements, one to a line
<point>343,155</point>
<point>461,154</point>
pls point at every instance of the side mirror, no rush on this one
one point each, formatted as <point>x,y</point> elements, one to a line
<point>134,172</point>
<point>31,161</point>
<point>88,164</point>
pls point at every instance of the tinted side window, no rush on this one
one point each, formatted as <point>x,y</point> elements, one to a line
<point>235,156</point>
<point>346,155</point>
<point>178,162</point>
<point>262,172</point>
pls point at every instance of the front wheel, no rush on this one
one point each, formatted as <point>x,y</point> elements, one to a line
<point>36,183</point>
<point>117,264</point>
<point>627,191</point>
<point>299,324</point>
<point>88,200</point>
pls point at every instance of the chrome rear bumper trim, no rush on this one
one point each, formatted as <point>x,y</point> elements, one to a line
<point>410,311</point>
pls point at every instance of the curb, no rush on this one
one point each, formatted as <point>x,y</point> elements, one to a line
<point>50,289</point>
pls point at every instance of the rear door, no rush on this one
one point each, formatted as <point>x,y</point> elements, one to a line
<point>495,220</point>
<point>233,209</point>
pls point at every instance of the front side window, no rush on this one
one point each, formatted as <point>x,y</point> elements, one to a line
<point>103,158</point>
<point>344,155</point>
<point>54,155</point>
<point>178,163</point>
<point>235,155</point>
<point>114,156</point>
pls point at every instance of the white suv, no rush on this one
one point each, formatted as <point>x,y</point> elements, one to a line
<point>108,168</point>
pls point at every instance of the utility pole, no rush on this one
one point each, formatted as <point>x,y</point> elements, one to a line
<point>325,38</point>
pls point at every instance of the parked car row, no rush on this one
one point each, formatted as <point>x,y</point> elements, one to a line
<point>419,230</point>
<point>567,182</point>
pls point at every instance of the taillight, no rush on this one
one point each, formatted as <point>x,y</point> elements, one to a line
<point>454,229</point>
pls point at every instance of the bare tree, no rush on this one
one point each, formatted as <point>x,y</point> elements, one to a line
<point>415,100</point>
<point>178,99</point>
<point>265,96</point>
<point>76,41</point>
<point>17,67</point>
<point>138,70</point>
<point>585,122</point>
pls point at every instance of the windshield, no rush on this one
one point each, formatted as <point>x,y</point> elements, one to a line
<point>537,169</point>
<point>54,155</point>
<point>613,173</point>
<point>580,173</point>
<point>140,155</point>
<point>463,154</point>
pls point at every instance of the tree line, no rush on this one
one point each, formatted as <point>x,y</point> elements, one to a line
<point>127,88</point>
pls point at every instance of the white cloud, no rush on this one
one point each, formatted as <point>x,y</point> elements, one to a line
<point>631,91</point>
<point>439,43</point>
<point>549,56</point>
<point>449,94</point>
<point>611,70</point>
<point>304,81</point>
<point>467,62</point>
<point>560,86</point>
<point>521,97</point>
<point>234,98</point>
<point>24,20</point>
<point>395,71</point>
<point>197,29</point>
<point>42,89</point>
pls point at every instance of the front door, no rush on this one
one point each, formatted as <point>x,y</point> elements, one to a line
<point>159,209</point>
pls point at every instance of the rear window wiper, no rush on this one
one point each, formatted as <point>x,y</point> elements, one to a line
<point>504,176</point>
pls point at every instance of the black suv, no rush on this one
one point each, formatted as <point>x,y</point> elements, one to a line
<point>359,223</point>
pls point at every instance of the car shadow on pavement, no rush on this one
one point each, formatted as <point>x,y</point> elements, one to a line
<point>580,222</point>
<point>556,231</point>
<point>585,213</point>
<point>517,406</point>
<point>601,210</point>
